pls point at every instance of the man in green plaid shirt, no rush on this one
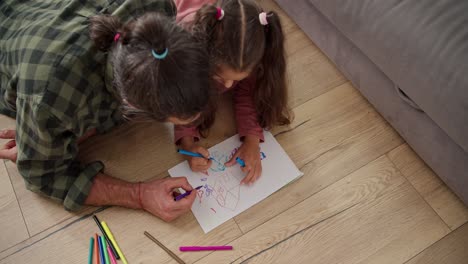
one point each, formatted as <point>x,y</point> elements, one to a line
<point>59,89</point>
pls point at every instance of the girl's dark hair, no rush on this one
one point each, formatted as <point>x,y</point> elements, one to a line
<point>174,86</point>
<point>241,42</point>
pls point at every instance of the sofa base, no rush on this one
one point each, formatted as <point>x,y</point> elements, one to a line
<point>431,143</point>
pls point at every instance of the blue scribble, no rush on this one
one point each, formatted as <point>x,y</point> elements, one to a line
<point>208,190</point>
<point>218,162</point>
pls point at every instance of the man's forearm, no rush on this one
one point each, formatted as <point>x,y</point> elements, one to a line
<point>107,190</point>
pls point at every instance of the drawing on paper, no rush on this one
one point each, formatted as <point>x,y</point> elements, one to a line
<point>218,161</point>
<point>225,191</point>
<point>226,188</point>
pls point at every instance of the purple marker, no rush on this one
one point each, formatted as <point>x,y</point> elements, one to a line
<point>186,193</point>
<point>198,248</point>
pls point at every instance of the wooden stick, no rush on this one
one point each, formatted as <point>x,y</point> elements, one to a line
<point>168,251</point>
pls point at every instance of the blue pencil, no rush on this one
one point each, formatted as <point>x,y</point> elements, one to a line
<point>240,161</point>
<point>101,252</point>
<point>193,154</point>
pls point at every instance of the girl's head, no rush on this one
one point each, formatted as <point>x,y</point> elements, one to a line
<point>160,71</point>
<point>242,41</point>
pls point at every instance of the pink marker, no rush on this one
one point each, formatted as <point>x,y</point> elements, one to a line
<point>198,248</point>
<point>111,255</point>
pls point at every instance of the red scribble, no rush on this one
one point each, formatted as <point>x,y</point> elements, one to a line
<point>200,195</point>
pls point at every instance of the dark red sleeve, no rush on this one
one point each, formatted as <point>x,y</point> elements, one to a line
<point>246,115</point>
<point>183,131</point>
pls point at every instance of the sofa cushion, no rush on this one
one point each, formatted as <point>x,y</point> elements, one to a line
<point>421,45</point>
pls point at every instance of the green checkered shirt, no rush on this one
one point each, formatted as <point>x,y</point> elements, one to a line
<point>58,86</point>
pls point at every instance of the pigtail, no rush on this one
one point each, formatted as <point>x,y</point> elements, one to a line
<point>206,27</point>
<point>205,24</point>
<point>103,30</point>
<point>271,97</point>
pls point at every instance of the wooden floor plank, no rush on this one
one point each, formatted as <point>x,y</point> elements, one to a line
<point>452,249</point>
<point>343,134</point>
<point>70,244</point>
<point>40,213</point>
<point>12,226</point>
<point>372,215</point>
<point>449,207</point>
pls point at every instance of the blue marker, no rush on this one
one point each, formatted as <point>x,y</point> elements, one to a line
<point>101,252</point>
<point>193,154</point>
<point>240,161</point>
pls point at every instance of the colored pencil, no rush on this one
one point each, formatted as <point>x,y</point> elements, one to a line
<point>168,251</point>
<point>240,161</point>
<point>114,242</point>
<point>96,249</point>
<point>187,193</point>
<point>101,253</point>
<point>199,248</point>
<point>192,154</point>
<point>91,246</point>
<point>111,255</point>
<point>96,219</point>
<point>104,249</point>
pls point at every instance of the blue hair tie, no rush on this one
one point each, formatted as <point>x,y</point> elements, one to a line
<point>159,56</point>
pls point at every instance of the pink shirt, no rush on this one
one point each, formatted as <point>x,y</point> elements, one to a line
<point>244,108</point>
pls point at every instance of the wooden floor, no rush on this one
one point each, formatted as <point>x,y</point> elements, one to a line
<point>365,196</point>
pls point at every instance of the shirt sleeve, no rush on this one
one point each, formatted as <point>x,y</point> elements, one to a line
<point>185,131</point>
<point>246,115</point>
<point>47,152</point>
<point>186,9</point>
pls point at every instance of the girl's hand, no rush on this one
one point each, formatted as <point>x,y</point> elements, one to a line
<point>249,152</point>
<point>196,164</point>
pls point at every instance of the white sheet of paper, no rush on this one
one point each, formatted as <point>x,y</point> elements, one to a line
<point>222,197</point>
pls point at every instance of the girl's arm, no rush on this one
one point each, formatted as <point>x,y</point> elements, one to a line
<point>250,131</point>
<point>246,115</point>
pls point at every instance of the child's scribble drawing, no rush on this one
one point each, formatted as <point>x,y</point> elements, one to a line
<point>225,190</point>
<point>221,196</point>
<point>218,161</point>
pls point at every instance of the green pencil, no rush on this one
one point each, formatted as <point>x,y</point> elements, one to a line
<point>91,246</point>
<point>104,246</point>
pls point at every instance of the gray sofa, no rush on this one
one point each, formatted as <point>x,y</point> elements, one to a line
<point>410,60</point>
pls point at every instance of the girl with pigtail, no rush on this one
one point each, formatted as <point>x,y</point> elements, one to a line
<point>246,52</point>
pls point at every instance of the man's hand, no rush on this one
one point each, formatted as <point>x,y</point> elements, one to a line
<point>9,150</point>
<point>157,198</point>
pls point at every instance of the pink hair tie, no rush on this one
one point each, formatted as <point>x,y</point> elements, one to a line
<point>116,37</point>
<point>219,13</point>
<point>263,18</point>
